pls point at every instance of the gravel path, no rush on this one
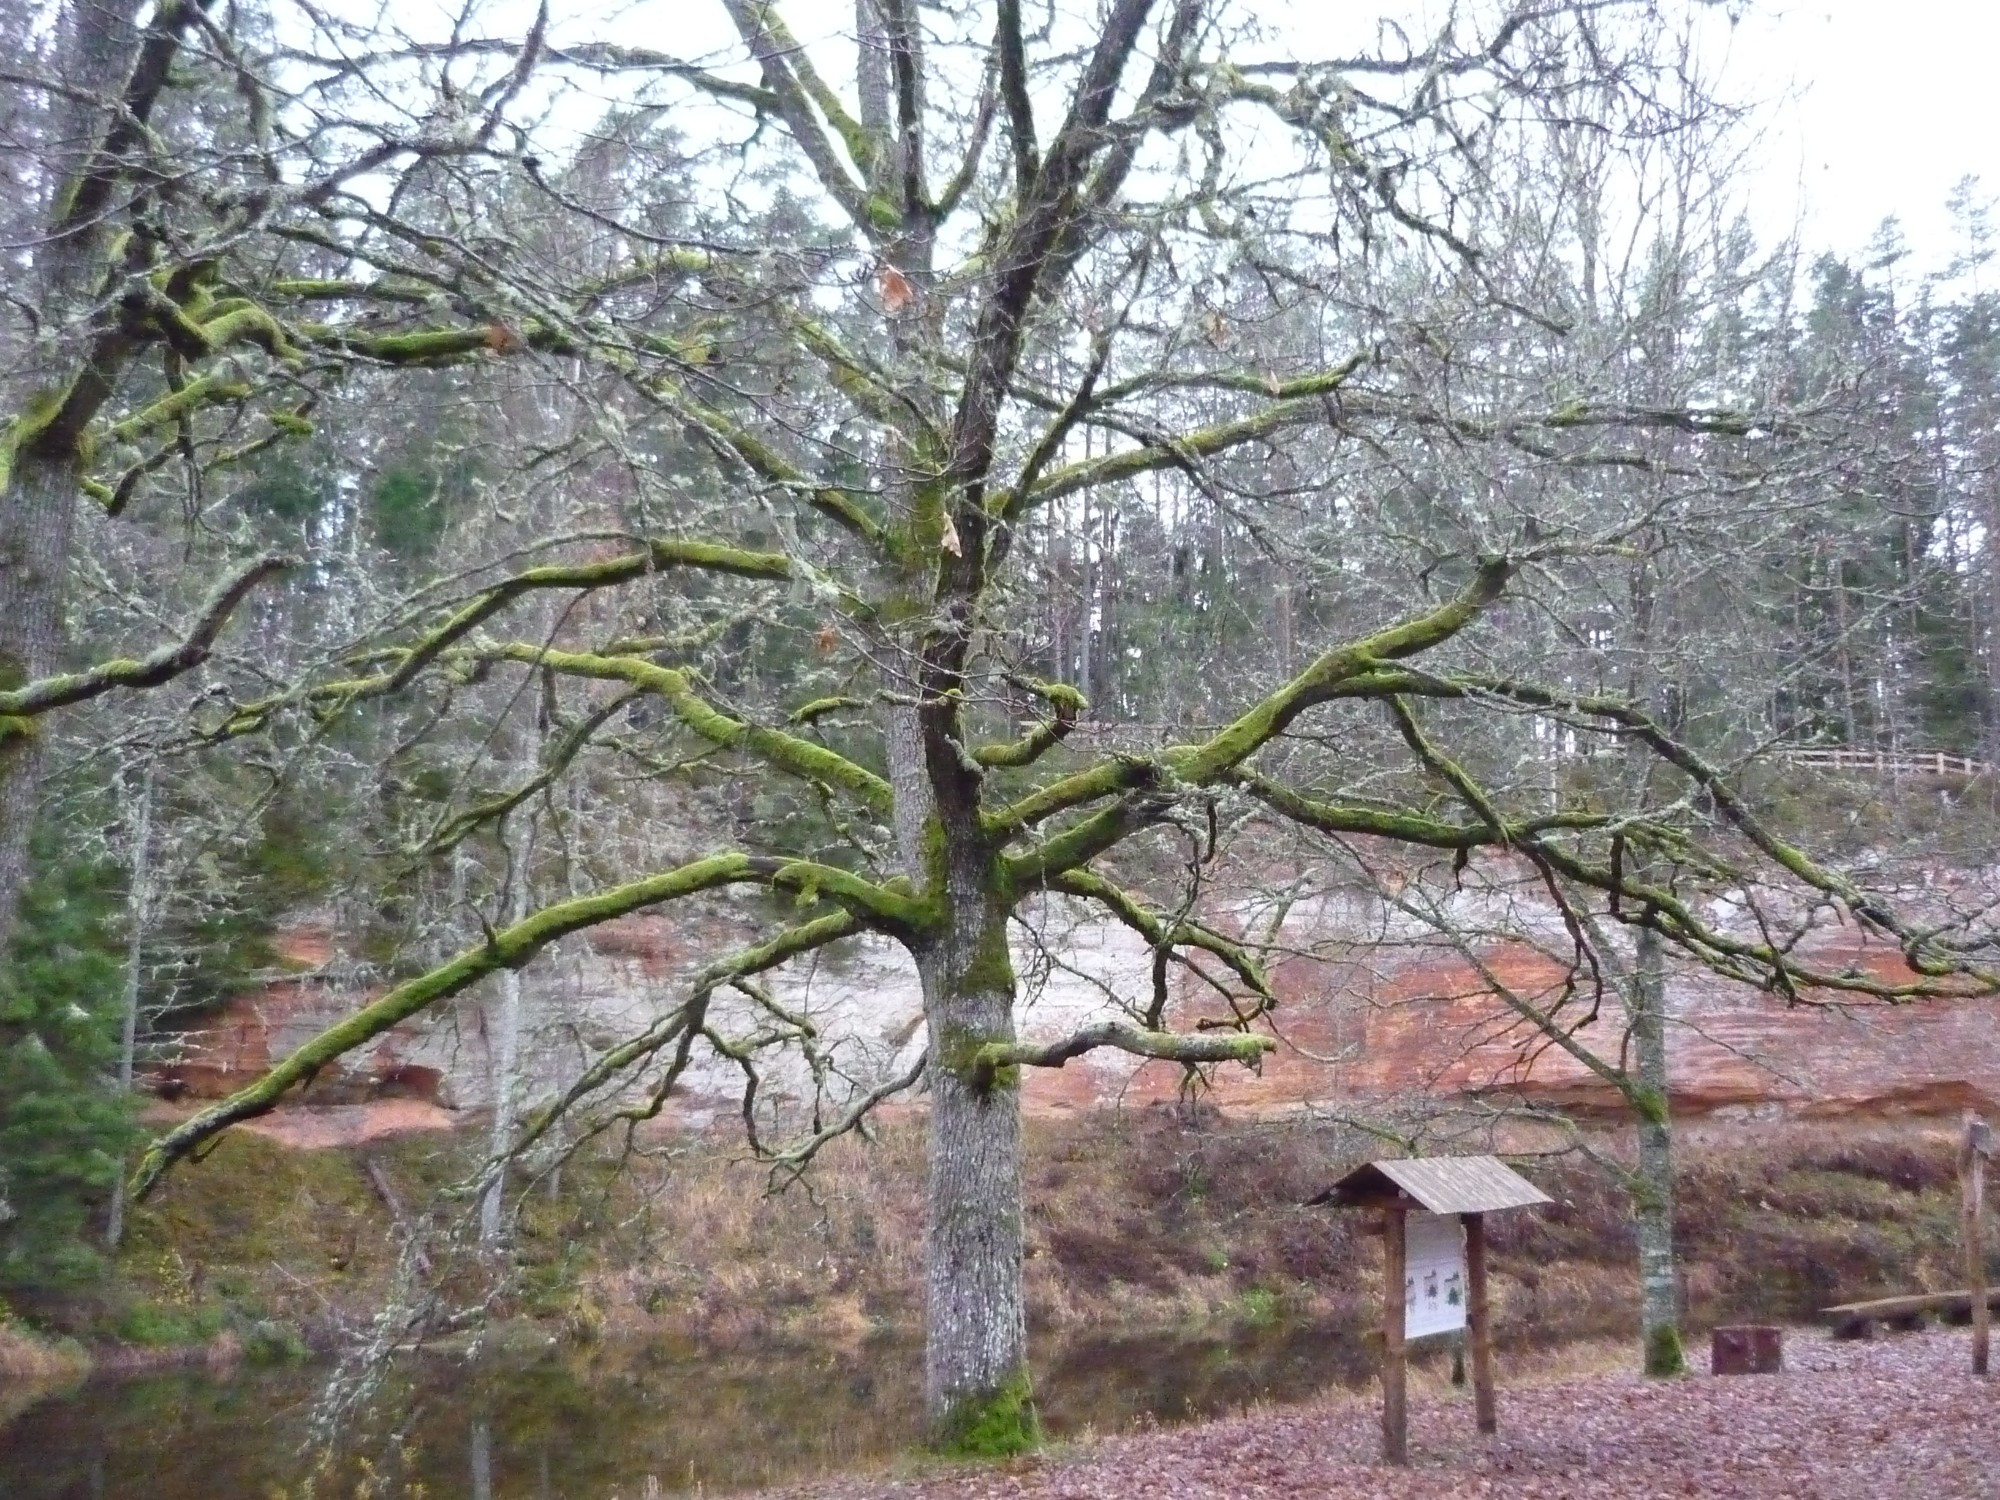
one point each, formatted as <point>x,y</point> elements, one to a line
<point>1900,1417</point>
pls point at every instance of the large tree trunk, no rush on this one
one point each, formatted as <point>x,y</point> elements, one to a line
<point>976,1383</point>
<point>1653,1191</point>
<point>37,508</point>
<point>94,44</point>
<point>977,1393</point>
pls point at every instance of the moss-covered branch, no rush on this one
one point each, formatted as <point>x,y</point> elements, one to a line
<point>155,668</point>
<point>1171,1046</point>
<point>1293,403</point>
<point>1067,704</point>
<point>1163,933</point>
<point>872,392</point>
<point>405,663</point>
<point>176,406</point>
<point>1403,825</point>
<point>786,752</point>
<point>661,555</point>
<point>794,89</point>
<point>555,760</point>
<point>1342,671</point>
<point>514,946</point>
<point>792,943</point>
<point>508,949</point>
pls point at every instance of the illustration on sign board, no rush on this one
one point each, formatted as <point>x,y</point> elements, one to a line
<point>1434,1275</point>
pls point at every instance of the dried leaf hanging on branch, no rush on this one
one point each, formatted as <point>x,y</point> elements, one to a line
<point>898,293</point>
<point>503,340</point>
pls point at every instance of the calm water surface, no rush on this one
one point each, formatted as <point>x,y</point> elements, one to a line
<point>628,1421</point>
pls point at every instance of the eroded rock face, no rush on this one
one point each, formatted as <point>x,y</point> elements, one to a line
<point>1375,1007</point>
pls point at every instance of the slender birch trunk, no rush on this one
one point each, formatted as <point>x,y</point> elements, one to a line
<point>504,1048</point>
<point>138,909</point>
<point>1653,1189</point>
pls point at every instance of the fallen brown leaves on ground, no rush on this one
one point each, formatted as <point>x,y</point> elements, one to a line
<point>1900,1417</point>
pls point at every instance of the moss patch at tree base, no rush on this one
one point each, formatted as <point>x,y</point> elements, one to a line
<point>999,1425</point>
<point>1664,1355</point>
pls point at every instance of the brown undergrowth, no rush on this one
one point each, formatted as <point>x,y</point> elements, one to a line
<point>1137,1221</point>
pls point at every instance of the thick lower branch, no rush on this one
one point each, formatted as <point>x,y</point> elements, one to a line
<point>510,948</point>
<point>1171,1046</point>
<point>150,671</point>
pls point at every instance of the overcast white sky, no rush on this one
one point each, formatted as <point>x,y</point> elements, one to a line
<point>1897,100</point>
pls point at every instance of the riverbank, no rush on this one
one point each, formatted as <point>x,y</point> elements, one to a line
<point>1900,1419</point>
<point>1137,1221</point>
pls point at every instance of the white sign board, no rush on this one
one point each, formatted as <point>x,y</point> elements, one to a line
<point>1434,1283</point>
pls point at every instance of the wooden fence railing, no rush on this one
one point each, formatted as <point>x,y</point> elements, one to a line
<point>1885,763</point>
<point>1890,763</point>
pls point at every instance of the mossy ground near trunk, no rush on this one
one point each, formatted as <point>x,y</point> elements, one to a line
<point>1664,1356</point>
<point>998,1424</point>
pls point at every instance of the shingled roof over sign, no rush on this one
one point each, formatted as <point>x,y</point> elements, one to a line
<point>1441,1184</point>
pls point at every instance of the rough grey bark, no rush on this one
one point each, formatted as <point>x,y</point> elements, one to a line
<point>506,1044</point>
<point>481,1457</point>
<point>36,517</point>
<point>976,1381</point>
<point>976,1350</point>
<point>38,498</point>
<point>1653,1190</point>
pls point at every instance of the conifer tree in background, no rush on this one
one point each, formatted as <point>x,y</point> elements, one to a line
<point>62,1127</point>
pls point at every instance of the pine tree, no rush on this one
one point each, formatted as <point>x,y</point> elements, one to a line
<point>62,1124</point>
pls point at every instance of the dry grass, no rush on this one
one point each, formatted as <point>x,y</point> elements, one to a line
<point>1136,1222</point>
<point>32,1368</point>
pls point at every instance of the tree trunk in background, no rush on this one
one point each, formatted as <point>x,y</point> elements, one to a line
<point>1648,1079</point>
<point>505,1044</point>
<point>1992,622</point>
<point>481,1459</point>
<point>1653,1192</point>
<point>504,1035</point>
<point>138,901</point>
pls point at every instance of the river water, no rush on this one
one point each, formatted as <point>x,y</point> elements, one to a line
<point>618,1420</point>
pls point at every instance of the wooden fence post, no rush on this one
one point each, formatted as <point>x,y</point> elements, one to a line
<point>1479,1326</point>
<point>1395,1412</point>
<point>1972,1211</point>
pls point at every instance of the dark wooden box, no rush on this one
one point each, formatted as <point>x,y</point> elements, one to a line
<point>1747,1349</point>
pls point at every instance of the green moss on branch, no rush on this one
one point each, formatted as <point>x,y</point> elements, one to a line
<point>786,752</point>
<point>1198,1048</point>
<point>508,949</point>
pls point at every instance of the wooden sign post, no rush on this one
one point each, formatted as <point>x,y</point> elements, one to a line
<point>1433,1217</point>
<point>1395,1390</point>
<point>1972,1224</point>
<point>1479,1324</point>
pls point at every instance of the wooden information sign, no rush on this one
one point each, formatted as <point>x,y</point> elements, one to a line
<point>1433,1216</point>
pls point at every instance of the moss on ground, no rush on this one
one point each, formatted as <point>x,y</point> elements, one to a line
<point>1664,1356</point>
<point>998,1425</point>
